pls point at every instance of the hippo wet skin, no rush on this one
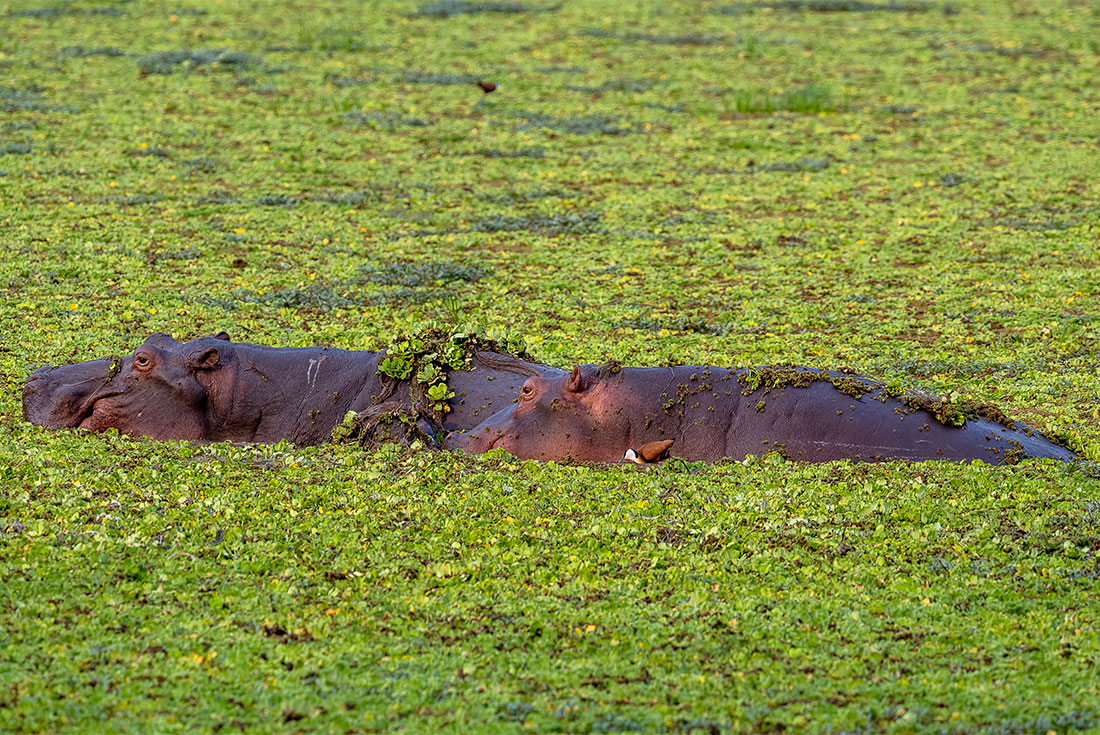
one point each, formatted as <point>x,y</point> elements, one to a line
<point>597,415</point>
<point>216,390</point>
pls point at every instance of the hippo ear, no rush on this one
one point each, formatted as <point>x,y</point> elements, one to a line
<point>576,383</point>
<point>207,359</point>
<point>223,336</point>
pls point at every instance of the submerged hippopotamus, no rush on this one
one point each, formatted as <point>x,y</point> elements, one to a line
<point>706,414</point>
<point>217,390</point>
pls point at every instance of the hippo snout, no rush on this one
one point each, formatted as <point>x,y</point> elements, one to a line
<point>56,397</point>
<point>36,379</point>
<point>456,440</point>
<point>36,398</point>
<point>473,441</point>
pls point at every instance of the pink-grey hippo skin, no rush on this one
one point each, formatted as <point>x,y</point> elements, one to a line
<point>216,390</point>
<point>596,415</point>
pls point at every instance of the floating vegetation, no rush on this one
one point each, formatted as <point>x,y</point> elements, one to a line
<point>522,197</point>
<point>414,274</point>
<point>448,8</point>
<point>829,6</point>
<point>684,39</point>
<point>387,423</point>
<point>219,197</point>
<point>412,280</point>
<point>201,60</point>
<point>403,295</point>
<point>780,376</point>
<point>1036,219</point>
<point>337,39</point>
<point>316,296</point>
<point>616,85</point>
<point>184,254</point>
<point>955,410</point>
<point>13,99</point>
<point>348,81</point>
<point>1010,50</point>
<point>65,11</point>
<point>319,296</point>
<point>809,99</point>
<point>679,324</point>
<point>968,263</point>
<point>680,39</point>
<point>802,165</point>
<point>15,149</point>
<point>584,125</point>
<point>690,217</point>
<point>383,120</point>
<point>572,223</point>
<point>133,201</point>
<point>560,70</point>
<point>349,199</point>
<point>532,152</point>
<point>276,200</point>
<point>149,152</point>
<point>80,52</point>
<point>678,107</point>
<point>1037,225</point>
<point>420,77</point>
<point>202,164</point>
<point>427,357</point>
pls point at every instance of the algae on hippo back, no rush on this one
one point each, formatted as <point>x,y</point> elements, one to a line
<point>949,410</point>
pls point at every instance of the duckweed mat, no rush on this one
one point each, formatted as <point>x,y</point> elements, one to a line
<point>904,189</point>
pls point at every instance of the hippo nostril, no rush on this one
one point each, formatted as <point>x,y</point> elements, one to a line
<point>35,383</point>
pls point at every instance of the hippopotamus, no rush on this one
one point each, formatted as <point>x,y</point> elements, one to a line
<point>214,389</point>
<point>701,413</point>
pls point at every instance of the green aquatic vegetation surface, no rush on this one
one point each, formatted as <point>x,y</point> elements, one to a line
<point>904,190</point>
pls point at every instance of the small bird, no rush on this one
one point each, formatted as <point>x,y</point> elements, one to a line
<point>650,453</point>
<point>487,87</point>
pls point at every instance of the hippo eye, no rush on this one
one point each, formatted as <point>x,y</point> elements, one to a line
<point>527,391</point>
<point>141,361</point>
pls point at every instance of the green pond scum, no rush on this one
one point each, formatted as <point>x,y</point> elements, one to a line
<point>906,190</point>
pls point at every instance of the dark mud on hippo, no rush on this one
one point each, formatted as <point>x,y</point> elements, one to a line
<point>597,414</point>
<point>216,390</point>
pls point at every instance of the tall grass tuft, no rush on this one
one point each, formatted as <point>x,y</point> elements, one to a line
<point>810,99</point>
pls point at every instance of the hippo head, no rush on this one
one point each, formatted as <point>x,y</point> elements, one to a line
<point>569,417</point>
<point>159,391</point>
